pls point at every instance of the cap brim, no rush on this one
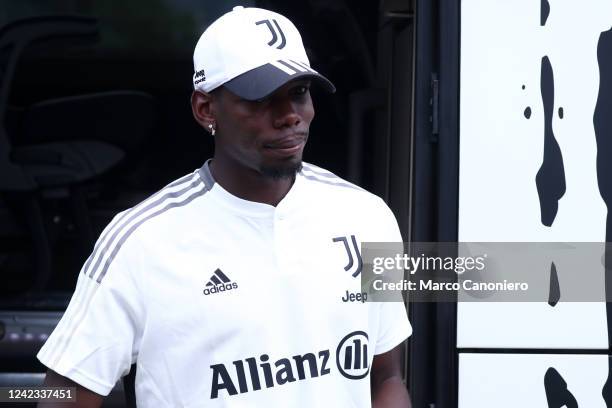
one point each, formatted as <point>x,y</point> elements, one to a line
<point>264,80</point>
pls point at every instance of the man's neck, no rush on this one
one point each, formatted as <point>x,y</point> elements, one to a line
<point>250,184</point>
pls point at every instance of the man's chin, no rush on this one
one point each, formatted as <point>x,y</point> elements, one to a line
<point>282,171</point>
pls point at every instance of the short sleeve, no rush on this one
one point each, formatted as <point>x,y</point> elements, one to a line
<point>394,326</point>
<point>98,337</point>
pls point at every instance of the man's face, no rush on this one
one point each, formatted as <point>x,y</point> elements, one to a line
<point>267,135</point>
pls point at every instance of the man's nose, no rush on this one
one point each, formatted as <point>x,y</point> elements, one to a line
<point>286,113</point>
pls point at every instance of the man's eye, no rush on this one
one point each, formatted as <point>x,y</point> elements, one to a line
<point>300,90</point>
<point>257,102</point>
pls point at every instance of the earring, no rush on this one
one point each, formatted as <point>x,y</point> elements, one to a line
<point>211,128</point>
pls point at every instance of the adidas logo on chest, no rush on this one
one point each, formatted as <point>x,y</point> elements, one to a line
<point>219,282</point>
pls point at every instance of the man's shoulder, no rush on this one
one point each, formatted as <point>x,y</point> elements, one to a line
<point>329,183</point>
<point>339,202</point>
<point>325,179</point>
<point>178,194</point>
<point>137,228</point>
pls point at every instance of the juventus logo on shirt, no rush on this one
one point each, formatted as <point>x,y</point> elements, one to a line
<point>351,260</point>
<point>273,31</point>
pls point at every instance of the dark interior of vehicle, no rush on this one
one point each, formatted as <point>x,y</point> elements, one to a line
<point>95,116</point>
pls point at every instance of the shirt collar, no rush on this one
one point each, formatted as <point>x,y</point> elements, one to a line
<point>253,208</point>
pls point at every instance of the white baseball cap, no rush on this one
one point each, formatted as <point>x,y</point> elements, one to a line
<point>252,52</point>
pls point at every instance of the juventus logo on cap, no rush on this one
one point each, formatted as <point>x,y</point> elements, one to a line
<point>274,34</point>
<point>277,54</point>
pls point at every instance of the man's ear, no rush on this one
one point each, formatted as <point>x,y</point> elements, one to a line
<point>202,108</point>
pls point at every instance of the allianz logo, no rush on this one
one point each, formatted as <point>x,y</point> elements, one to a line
<point>253,374</point>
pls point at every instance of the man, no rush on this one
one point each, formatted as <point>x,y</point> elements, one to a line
<point>229,286</point>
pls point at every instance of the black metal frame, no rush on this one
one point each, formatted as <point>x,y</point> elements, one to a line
<point>433,356</point>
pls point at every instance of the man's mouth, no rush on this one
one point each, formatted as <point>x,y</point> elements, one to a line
<point>286,146</point>
<point>286,142</point>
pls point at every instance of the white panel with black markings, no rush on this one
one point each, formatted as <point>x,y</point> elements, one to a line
<point>535,124</point>
<point>531,380</point>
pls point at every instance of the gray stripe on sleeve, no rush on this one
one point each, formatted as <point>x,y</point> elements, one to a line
<point>312,172</point>
<point>339,183</point>
<point>320,172</point>
<point>121,217</point>
<point>138,211</point>
<point>133,228</point>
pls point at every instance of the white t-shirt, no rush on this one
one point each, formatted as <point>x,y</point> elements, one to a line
<point>226,302</point>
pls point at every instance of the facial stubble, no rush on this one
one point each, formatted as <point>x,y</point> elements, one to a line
<point>280,172</point>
